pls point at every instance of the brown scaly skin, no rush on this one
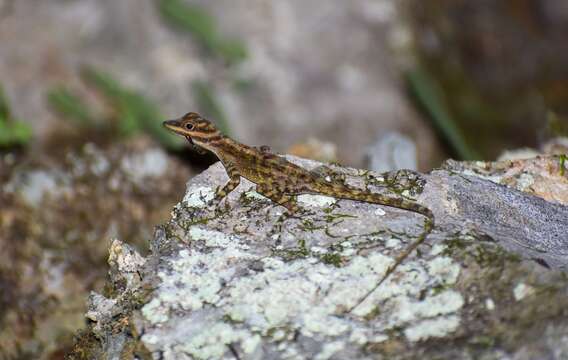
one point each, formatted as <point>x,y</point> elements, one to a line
<point>280,180</point>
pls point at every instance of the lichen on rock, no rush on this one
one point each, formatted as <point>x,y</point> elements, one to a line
<point>236,281</point>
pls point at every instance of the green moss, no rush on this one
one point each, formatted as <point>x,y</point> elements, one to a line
<point>373,313</point>
<point>133,111</point>
<point>334,259</point>
<point>328,210</point>
<point>226,318</point>
<point>437,289</point>
<point>329,218</point>
<point>70,106</point>
<point>402,181</point>
<point>483,341</point>
<point>12,132</point>
<point>288,331</point>
<point>562,163</point>
<point>328,233</point>
<point>245,199</point>
<point>299,252</point>
<point>454,244</point>
<point>308,225</point>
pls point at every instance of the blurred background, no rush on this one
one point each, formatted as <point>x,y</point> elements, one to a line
<point>379,84</point>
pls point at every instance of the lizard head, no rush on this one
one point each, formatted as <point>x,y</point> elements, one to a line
<point>197,130</point>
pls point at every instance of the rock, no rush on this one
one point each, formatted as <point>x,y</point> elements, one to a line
<point>59,208</point>
<point>236,283</point>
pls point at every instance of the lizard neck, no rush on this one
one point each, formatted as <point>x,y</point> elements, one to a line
<point>226,148</point>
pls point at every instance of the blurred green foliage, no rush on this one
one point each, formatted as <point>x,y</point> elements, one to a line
<point>202,26</point>
<point>70,105</point>
<point>132,113</point>
<point>12,131</point>
<point>207,102</point>
<point>430,98</point>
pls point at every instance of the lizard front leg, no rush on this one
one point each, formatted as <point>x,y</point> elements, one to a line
<point>234,181</point>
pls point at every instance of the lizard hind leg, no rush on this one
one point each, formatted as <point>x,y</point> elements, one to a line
<point>288,201</point>
<point>328,174</point>
<point>234,181</point>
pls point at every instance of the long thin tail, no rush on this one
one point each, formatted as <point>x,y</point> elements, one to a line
<point>401,203</point>
<point>428,225</point>
<point>382,199</point>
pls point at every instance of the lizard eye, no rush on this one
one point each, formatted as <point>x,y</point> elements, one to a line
<point>189,126</point>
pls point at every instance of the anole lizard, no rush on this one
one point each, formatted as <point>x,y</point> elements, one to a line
<point>280,180</point>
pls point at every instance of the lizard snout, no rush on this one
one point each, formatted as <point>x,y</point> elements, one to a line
<point>171,124</point>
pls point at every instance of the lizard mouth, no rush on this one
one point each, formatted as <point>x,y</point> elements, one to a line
<point>189,139</point>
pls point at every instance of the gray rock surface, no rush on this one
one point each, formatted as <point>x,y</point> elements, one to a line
<point>234,283</point>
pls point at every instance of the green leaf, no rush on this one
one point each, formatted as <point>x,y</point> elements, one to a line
<point>429,96</point>
<point>103,82</point>
<point>193,19</point>
<point>134,111</point>
<point>4,107</point>
<point>12,132</point>
<point>70,106</point>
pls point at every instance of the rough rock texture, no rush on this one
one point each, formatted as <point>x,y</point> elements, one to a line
<point>57,216</point>
<point>234,283</point>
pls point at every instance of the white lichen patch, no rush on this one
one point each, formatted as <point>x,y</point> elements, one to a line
<point>155,312</point>
<point>411,279</point>
<point>188,286</point>
<point>215,238</point>
<point>522,290</point>
<point>198,197</point>
<point>252,194</point>
<point>316,200</point>
<point>444,268</point>
<point>329,350</point>
<point>211,342</point>
<point>409,311</point>
<point>432,328</point>
<point>392,243</point>
<point>227,301</point>
<point>437,249</point>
